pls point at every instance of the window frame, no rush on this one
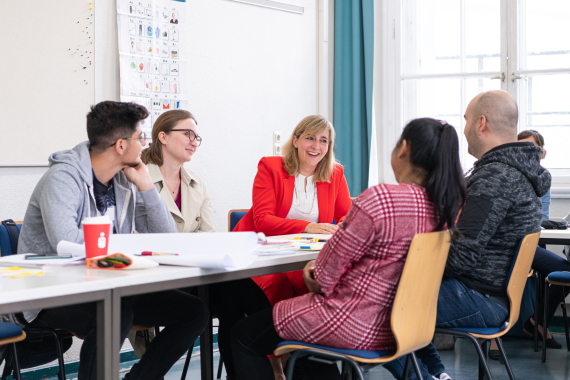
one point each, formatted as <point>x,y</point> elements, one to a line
<point>389,83</point>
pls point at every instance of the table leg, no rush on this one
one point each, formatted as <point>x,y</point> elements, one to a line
<point>115,346</point>
<point>206,341</point>
<point>104,326</point>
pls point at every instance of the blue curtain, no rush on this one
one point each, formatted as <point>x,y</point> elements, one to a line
<point>353,67</point>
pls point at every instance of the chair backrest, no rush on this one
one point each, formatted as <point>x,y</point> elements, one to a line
<point>518,275</point>
<point>234,216</point>
<point>6,248</point>
<point>415,305</point>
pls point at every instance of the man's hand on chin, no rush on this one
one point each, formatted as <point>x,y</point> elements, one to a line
<point>139,176</point>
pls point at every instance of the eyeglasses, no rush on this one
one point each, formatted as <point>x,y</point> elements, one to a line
<point>190,134</point>
<point>141,138</point>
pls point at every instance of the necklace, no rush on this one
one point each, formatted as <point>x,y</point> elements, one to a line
<point>176,187</point>
<point>298,199</point>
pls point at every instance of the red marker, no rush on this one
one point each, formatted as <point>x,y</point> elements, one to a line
<point>149,253</point>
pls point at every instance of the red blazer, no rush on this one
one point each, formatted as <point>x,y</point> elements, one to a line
<point>273,196</point>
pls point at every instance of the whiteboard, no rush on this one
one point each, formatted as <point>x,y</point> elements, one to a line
<point>43,100</point>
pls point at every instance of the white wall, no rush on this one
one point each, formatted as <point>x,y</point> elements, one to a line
<point>253,70</point>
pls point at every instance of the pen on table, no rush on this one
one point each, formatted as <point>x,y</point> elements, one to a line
<point>149,253</point>
<point>317,240</point>
<point>305,247</point>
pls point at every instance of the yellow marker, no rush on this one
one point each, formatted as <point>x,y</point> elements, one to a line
<point>90,8</point>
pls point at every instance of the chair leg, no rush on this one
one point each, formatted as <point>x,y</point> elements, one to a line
<point>482,360</point>
<point>565,318</point>
<point>186,364</point>
<point>220,368</point>
<point>481,373</point>
<point>537,292</point>
<point>504,356</point>
<point>291,365</point>
<point>17,373</point>
<point>59,351</point>
<point>416,365</point>
<point>146,338</point>
<point>544,325</point>
<point>407,367</point>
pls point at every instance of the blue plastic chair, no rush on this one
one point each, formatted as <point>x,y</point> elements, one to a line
<point>555,278</point>
<point>36,333</point>
<point>412,319</point>
<point>514,286</point>
<point>11,333</point>
<point>234,216</point>
<point>5,245</point>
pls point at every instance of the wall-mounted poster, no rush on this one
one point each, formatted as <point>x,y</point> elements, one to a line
<point>152,57</point>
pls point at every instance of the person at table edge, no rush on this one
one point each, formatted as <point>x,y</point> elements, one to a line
<point>105,176</point>
<point>303,191</point>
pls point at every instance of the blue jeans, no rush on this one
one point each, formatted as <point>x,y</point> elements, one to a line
<point>457,306</point>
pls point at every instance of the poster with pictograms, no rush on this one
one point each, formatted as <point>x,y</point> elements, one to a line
<point>152,57</point>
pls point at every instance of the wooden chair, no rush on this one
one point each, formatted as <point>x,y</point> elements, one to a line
<point>417,291</point>
<point>515,285</point>
<point>11,333</point>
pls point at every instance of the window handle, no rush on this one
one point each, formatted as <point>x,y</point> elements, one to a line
<point>501,77</point>
<point>516,77</point>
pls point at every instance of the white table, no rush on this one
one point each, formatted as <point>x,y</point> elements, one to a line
<point>555,237</point>
<point>77,284</point>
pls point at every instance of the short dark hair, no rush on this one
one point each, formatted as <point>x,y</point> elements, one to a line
<point>109,121</point>
<point>536,136</point>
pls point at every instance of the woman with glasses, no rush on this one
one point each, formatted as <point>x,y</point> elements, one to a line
<point>175,139</point>
<point>303,191</point>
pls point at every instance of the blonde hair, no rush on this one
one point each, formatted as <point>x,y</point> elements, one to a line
<point>311,125</point>
<point>164,123</point>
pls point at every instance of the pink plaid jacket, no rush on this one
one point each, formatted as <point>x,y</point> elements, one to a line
<point>358,270</point>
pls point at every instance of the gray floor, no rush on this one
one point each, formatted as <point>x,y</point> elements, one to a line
<point>461,363</point>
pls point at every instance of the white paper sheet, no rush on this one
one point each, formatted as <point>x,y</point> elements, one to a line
<point>20,260</point>
<point>228,251</point>
<point>69,248</point>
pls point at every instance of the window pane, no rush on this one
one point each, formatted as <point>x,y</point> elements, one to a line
<point>444,99</point>
<point>544,32</point>
<point>431,36</point>
<point>545,107</point>
<point>482,43</point>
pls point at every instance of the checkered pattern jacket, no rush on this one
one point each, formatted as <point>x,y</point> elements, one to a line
<point>358,271</point>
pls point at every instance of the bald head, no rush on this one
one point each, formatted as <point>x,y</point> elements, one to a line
<point>491,120</point>
<point>500,109</point>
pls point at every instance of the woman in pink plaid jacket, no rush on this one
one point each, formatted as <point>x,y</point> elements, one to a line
<point>353,282</point>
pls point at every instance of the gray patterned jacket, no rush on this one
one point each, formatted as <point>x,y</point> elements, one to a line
<point>503,205</point>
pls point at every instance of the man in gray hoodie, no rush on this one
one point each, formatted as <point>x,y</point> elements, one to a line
<point>105,176</point>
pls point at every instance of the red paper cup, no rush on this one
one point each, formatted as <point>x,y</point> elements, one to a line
<point>96,232</point>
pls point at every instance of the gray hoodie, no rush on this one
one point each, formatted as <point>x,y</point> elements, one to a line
<point>64,196</point>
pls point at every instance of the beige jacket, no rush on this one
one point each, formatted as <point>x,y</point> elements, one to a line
<point>196,214</point>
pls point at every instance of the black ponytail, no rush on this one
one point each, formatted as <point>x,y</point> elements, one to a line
<point>434,148</point>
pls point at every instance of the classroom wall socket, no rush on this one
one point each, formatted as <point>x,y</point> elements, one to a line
<point>276,149</point>
<point>277,143</point>
<point>277,137</point>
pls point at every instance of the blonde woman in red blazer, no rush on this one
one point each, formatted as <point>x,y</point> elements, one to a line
<point>303,191</point>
